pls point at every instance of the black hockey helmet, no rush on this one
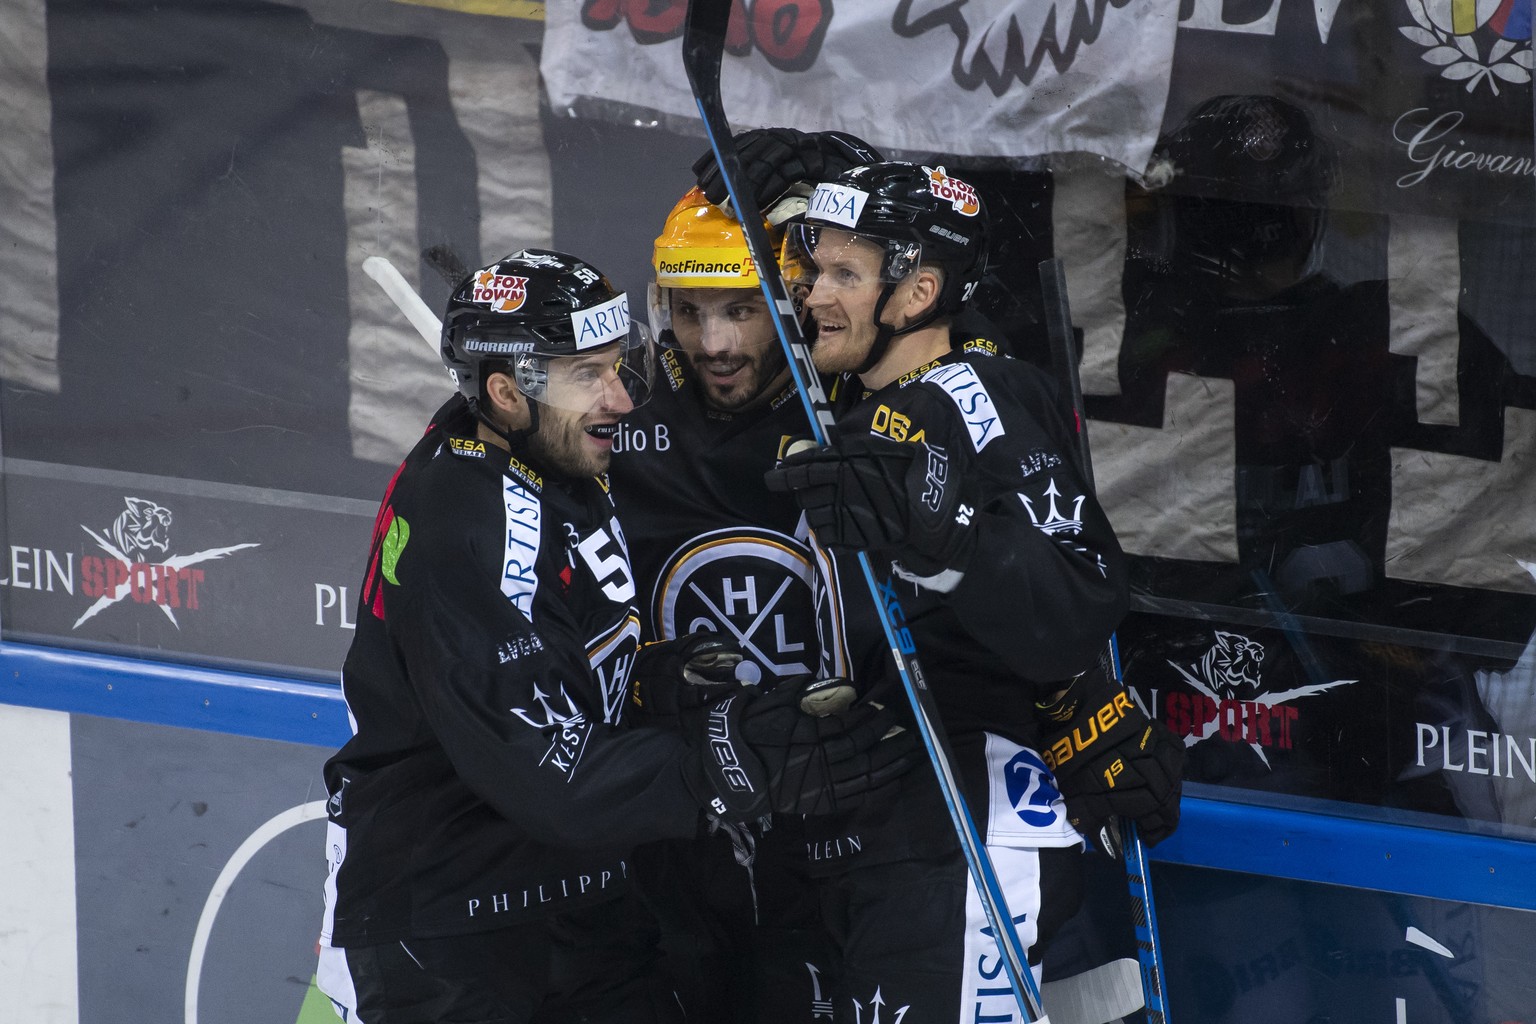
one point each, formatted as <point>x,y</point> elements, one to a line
<point>918,214</point>
<point>1254,149</point>
<point>1247,199</point>
<point>534,305</point>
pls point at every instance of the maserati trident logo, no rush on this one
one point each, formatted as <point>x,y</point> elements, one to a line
<point>870,1014</point>
<point>568,729</point>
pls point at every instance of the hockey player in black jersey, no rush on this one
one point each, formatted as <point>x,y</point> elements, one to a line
<point>955,468</point>
<point>482,816</point>
<point>714,549</point>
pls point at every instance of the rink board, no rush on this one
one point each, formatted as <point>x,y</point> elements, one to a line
<point>196,854</point>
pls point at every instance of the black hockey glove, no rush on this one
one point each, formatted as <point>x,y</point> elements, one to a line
<point>674,680</point>
<point>775,159</point>
<point>906,501</point>
<point>1111,761</point>
<point>764,752</point>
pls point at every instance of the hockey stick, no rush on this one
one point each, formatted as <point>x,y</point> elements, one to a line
<point>405,299</point>
<point>1107,993</point>
<point>703,47</point>
<point>1058,324</point>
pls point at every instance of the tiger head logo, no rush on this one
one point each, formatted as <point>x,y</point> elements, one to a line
<point>143,529</point>
<point>1231,667</point>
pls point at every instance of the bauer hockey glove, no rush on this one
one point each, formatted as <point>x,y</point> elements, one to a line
<point>908,501</point>
<point>774,160</point>
<point>674,680</point>
<point>764,752</point>
<point>1111,761</point>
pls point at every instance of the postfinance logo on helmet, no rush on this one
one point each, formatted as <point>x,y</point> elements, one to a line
<point>701,246</point>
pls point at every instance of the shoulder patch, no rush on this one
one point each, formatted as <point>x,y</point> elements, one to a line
<point>981,346</point>
<point>525,473</point>
<point>467,447</point>
<point>965,389</point>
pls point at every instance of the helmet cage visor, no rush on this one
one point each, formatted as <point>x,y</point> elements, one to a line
<point>578,381</point>
<point>712,320</point>
<point>582,382</point>
<point>838,258</point>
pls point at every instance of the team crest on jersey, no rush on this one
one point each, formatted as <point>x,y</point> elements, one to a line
<point>613,658</point>
<point>753,585</point>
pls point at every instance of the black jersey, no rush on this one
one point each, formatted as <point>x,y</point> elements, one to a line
<point>713,548</point>
<point>1036,604</point>
<point>491,777</point>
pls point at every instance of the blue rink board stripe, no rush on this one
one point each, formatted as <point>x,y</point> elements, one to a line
<point>165,693</point>
<point>1438,864</point>
<point>1212,833</point>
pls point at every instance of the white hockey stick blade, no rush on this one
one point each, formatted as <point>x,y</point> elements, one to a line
<point>405,299</point>
<point>1106,993</point>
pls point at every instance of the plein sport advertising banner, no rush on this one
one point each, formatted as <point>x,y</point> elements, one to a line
<point>977,78</point>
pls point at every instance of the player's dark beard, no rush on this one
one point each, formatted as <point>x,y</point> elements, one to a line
<point>559,446</point>
<point>766,368</point>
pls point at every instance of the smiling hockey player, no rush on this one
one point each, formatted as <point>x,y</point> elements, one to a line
<point>714,549</point>
<point>482,816</point>
<point>955,469</point>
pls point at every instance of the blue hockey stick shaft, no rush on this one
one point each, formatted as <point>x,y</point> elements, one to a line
<point>703,46</point>
<point>1058,322</point>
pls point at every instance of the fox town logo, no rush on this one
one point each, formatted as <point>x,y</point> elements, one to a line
<point>502,292</point>
<point>137,563</point>
<point>1229,700</point>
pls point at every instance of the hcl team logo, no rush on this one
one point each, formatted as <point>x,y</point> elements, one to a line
<point>137,563</point>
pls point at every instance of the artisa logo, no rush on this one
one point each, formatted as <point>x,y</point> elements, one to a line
<point>502,292</point>
<point>136,563</point>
